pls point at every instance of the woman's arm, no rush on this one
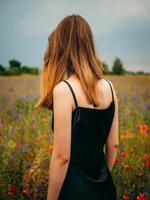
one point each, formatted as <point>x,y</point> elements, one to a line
<point>62,103</point>
<point>112,142</point>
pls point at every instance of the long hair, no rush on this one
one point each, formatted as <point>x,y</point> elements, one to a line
<point>70,50</point>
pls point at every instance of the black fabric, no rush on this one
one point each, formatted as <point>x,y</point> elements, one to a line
<point>88,176</point>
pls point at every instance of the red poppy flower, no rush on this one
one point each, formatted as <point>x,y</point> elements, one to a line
<point>127,166</point>
<point>12,190</point>
<point>125,197</point>
<point>143,129</point>
<point>18,145</point>
<point>116,160</point>
<point>148,163</point>
<point>146,156</point>
<point>141,196</point>
<point>123,154</point>
<point>138,174</point>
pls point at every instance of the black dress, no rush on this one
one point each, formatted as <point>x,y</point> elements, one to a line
<point>88,176</point>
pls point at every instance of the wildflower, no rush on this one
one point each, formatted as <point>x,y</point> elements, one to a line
<point>25,193</point>
<point>37,142</point>
<point>18,145</point>
<point>125,197</point>
<point>12,190</point>
<point>146,156</point>
<point>127,166</point>
<point>116,160</point>
<point>123,154</point>
<point>148,163</point>
<point>143,129</point>
<point>141,196</point>
<point>138,174</point>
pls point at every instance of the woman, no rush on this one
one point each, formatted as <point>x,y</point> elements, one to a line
<point>85,115</point>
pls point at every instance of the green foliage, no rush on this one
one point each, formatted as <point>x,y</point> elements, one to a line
<point>25,70</point>
<point>117,67</point>
<point>34,70</point>
<point>140,72</point>
<point>29,70</point>
<point>15,68</point>
<point>2,70</point>
<point>13,71</point>
<point>130,72</point>
<point>105,68</point>
<point>14,63</point>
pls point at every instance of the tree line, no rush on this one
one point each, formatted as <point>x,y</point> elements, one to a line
<point>118,68</point>
<point>15,68</point>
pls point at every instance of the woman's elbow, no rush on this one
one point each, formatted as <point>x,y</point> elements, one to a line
<point>112,145</point>
<point>60,158</point>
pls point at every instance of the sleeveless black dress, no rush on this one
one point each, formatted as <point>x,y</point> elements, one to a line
<point>88,176</point>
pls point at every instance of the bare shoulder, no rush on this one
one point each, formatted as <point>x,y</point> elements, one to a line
<point>60,89</point>
<point>62,94</point>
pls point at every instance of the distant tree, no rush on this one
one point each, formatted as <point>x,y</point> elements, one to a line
<point>14,67</point>
<point>105,68</point>
<point>2,70</point>
<point>25,70</point>
<point>34,70</point>
<point>117,67</point>
<point>140,72</point>
<point>13,71</point>
<point>29,70</point>
<point>130,72</point>
<point>14,63</point>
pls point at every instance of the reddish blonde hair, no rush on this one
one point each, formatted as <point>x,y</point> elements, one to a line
<point>70,50</point>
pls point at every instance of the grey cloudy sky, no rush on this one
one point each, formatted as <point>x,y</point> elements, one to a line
<point>120,28</point>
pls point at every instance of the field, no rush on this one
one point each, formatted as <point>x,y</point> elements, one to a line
<point>26,139</point>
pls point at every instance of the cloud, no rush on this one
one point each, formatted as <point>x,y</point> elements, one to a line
<point>104,16</point>
<point>114,14</point>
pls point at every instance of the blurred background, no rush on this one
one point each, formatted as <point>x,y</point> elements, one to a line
<point>121,31</point>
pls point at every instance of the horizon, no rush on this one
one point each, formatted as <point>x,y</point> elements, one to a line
<point>110,67</point>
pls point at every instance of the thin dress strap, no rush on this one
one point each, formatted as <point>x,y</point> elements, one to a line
<point>111,90</point>
<point>75,100</point>
<point>73,94</point>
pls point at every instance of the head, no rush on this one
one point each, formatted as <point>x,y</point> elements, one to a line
<point>70,50</point>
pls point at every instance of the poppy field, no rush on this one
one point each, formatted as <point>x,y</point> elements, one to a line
<point>26,138</point>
